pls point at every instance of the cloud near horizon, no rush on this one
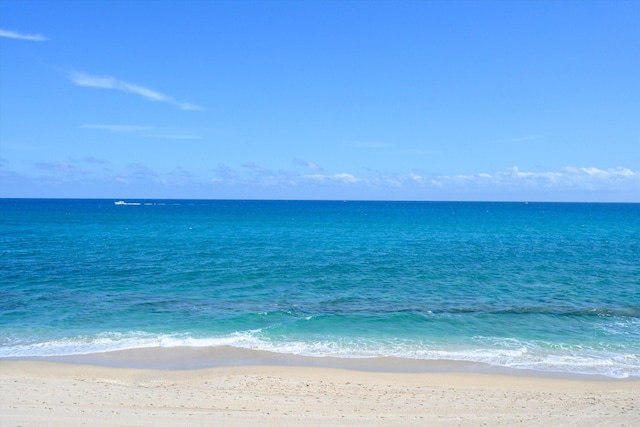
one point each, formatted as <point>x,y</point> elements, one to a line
<point>61,168</point>
<point>307,164</point>
<point>94,160</point>
<point>256,168</point>
<point>83,79</point>
<point>569,177</point>
<point>513,183</point>
<point>345,178</point>
<point>16,35</point>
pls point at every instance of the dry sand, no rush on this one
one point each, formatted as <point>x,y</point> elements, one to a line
<point>60,394</point>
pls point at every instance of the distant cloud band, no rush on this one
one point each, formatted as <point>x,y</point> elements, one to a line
<point>564,184</point>
<point>587,178</point>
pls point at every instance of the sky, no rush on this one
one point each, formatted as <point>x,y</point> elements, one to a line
<point>342,100</point>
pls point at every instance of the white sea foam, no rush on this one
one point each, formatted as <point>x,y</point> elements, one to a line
<point>515,355</point>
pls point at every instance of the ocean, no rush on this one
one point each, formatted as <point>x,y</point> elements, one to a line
<point>547,287</point>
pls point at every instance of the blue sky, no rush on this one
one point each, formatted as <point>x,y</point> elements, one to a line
<point>409,100</point>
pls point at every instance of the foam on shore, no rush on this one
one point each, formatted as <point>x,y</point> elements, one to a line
<point>190,358</point>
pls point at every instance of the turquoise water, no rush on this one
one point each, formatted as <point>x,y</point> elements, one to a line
<point>546,286</point>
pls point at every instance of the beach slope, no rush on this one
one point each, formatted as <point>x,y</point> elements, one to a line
<point>58,394</point>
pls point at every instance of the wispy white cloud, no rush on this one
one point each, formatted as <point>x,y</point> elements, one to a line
<point>520,139</point>
<point>189,107</point>
<point>368,144</point>
<point>16,35</point>
<point>172,136</point>
<point>83,79</point>
<point>525,138</point>
<point>142,130</point>
<point>118,128</point>
<point>25,147</point>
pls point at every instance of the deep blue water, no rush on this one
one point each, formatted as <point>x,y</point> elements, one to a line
<point>547,286</point>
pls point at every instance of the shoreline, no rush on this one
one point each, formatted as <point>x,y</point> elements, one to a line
<point>55,393</point>
<point>194,358</point>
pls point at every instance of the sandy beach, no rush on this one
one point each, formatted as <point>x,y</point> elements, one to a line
<point>63,394</point>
